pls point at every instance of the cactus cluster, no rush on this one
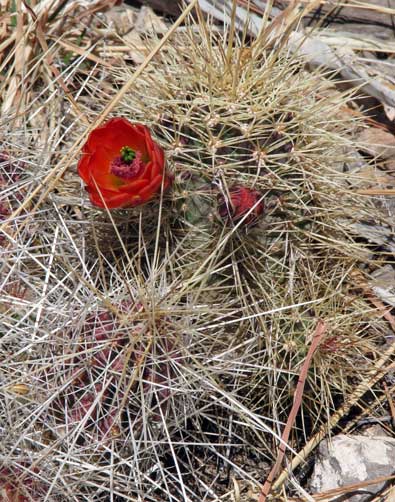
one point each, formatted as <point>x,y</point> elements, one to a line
<point>159,347</point>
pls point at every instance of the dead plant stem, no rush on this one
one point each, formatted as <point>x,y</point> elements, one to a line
<point>318,335</point>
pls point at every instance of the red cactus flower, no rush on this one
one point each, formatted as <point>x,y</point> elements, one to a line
<point>241,200</point>
<point>121,165</point>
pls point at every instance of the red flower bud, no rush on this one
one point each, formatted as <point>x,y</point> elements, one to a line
<point>241,200</point>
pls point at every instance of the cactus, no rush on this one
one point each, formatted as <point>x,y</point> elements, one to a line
<point>234,115</point>
<point>156,350</point>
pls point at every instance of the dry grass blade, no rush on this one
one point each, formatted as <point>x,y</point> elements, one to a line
<point>23,43</point>
<point>337,56</point>
<point>377,191</point>
<point>317,339</point>
<point>49,60</point>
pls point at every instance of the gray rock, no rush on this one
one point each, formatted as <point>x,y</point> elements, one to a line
<point>349,460</point>
<point>376,431</point>
<point>383,284</point>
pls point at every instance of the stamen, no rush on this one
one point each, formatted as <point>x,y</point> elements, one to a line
<point>127,170</point>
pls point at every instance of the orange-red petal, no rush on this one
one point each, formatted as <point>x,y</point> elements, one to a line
<point>134,186</point>
<point>100,170</point>
<point>116,133</point>
<point>152,188</point>
<point>84,167</point>
<point>106,198</point>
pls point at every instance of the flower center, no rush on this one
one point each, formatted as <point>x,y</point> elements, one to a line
<point>127,154</point>
<point>128,164</point>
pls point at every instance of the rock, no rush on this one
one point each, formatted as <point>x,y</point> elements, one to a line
<point>375,430</point>
<point>348,460</point>
<point>148,22</point>
<point>369,31</point>
<point>373,12</point>
<point>390,497</point>
<point>377,142</point>
<point>173,8</point>
<point>369,176</point>
<point>121,18</point>
<point>383,284</point>
<point>138,48</point>
<point>376,233</point>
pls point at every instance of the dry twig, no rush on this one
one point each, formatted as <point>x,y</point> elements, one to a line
<point>317,338</point>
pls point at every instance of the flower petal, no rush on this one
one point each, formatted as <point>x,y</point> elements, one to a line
<point>134,186</point>
<point>151,189</point>
<point>116,133</point>
<point>106,198</point>
<point>158,161</point>
<point>84,167</point>
<point>103,148</point>
<point>100,169</point>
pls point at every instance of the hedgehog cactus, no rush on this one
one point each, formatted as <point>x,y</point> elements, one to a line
<point>164,341</point>
<point>257,141</point>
